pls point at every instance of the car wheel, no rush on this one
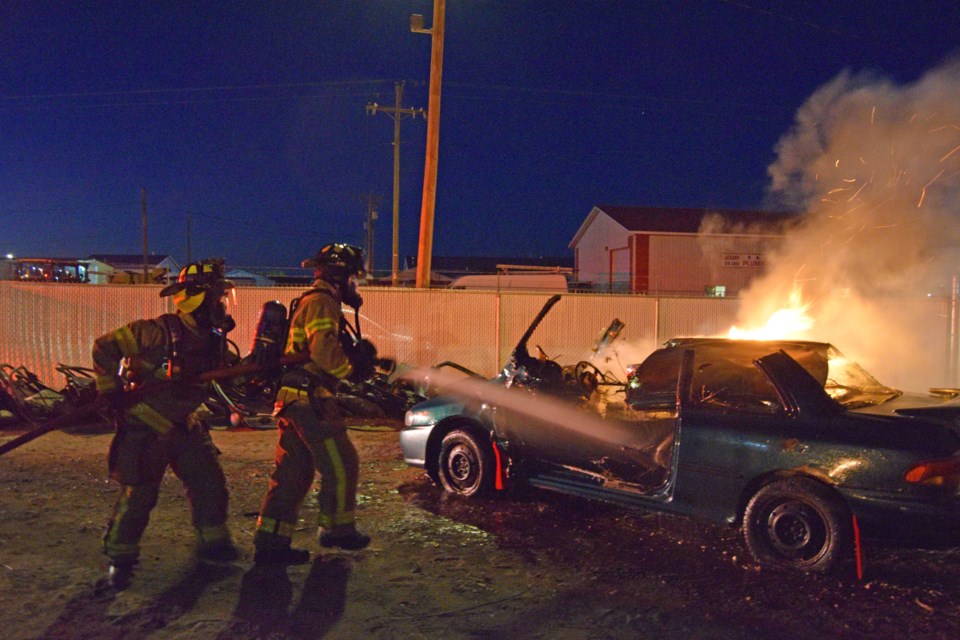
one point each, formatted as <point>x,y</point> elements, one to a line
<point>797,523</point>
<point>466,465</point>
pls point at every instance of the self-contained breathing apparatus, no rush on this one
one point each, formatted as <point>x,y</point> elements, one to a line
<point>270,336</point>
<point>272,332</point>
<point>340,265</point>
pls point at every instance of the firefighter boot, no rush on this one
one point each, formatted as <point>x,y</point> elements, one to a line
<point>349,539</point>
<point>274,548</point>
<point>121,573</point>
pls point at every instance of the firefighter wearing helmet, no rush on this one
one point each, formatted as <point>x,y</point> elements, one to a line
<point>312,433</point>
<point>157,428</point>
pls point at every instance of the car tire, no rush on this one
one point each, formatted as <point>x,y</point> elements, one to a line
<point>797,523</point>
<point>466,464</point>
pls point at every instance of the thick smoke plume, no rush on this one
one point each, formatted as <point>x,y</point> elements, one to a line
<point>875,170</point>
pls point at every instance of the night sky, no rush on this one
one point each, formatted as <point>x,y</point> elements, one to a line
<point>248,118</point>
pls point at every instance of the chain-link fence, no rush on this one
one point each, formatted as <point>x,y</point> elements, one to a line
<point>43,324</point>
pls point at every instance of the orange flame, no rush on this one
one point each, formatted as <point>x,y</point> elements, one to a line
<point>791,321</point>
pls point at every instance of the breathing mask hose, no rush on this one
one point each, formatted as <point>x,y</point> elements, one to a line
<point>387,364</point>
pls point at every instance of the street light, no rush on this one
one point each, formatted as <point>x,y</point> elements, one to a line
<point>425,247</point>
<point>416,24</point>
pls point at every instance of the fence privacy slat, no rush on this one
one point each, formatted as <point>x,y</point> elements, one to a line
<point>44,324</point>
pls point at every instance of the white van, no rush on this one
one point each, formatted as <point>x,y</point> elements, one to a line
<point>514,281</point>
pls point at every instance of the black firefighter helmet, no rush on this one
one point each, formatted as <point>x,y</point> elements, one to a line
<point>340,256</point>
<point>341,265</point>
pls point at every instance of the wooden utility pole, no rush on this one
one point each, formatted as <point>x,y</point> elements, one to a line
<point>143,217</point>
<point>373,203</point>
<point>188,239</point>
<point>425,247</point>
<point>396,112</point>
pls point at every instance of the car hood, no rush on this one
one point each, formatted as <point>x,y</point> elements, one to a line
<point>798,386</point>
<point>925,408</point>
<point>439,407</point>
<point>922,406</point>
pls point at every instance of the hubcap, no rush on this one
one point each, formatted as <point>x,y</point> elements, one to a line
<point>461,465</point>
<point>795,530</point>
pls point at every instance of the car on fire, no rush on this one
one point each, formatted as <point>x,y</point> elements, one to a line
<point>800,448</point>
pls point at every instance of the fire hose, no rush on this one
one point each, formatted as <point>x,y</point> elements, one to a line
<point>88,410</point>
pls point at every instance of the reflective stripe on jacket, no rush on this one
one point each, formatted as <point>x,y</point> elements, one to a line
<point>146,340</point>
<point>315,327</point>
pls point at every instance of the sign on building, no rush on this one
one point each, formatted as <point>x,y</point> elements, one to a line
<point>752,260</point>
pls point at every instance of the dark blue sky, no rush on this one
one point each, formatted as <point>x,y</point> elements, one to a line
<point>249,117</point>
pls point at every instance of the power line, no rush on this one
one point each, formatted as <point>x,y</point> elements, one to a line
<point>60,101</point>
<point>18,210</point>
<point>779,16</point>
<point>614,101</point>
<point>617,101</point>
<point>242,87</point>
<point>152,103</point>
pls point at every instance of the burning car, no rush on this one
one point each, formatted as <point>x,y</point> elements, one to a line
<point>799,447</point>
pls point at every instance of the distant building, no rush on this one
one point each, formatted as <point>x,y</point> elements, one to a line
<point>271,276</point>
<point>672,250</point>
<point>106,268</point>
<point>244,278</point>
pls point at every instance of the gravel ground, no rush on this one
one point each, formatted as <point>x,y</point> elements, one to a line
<point>529,564</point>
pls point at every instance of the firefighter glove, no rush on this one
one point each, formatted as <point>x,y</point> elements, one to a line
<point>363,357</point>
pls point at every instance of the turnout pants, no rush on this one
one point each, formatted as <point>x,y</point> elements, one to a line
<point>139,457</point>
<point>309,443</point>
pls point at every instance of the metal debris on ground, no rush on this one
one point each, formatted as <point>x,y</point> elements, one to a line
<point>24,398</point>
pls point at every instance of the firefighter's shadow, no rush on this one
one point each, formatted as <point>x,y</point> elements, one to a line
<point>86,611</point>
<point>266,594</point>
<point>91,610</point>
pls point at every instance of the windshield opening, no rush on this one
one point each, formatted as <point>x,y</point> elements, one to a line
<point>849,384</point>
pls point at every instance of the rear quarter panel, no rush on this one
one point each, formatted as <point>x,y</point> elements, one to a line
<point>725,457</point>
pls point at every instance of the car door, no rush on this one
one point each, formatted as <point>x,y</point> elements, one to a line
<point>628,447</point>
<point>734,425</point>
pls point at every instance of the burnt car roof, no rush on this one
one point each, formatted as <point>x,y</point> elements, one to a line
<point>729,362</point>
<point>813,356</point>
<point>753,345</point>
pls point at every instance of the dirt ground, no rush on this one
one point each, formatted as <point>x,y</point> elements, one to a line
<point>528,565</point>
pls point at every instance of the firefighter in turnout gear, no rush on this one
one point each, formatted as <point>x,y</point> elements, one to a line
<point>156,427</point>
<point>312,433</point>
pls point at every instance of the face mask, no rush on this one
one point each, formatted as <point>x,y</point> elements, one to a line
<point>213,313</point>
<point>220,319</point>
<point>351,293</point>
